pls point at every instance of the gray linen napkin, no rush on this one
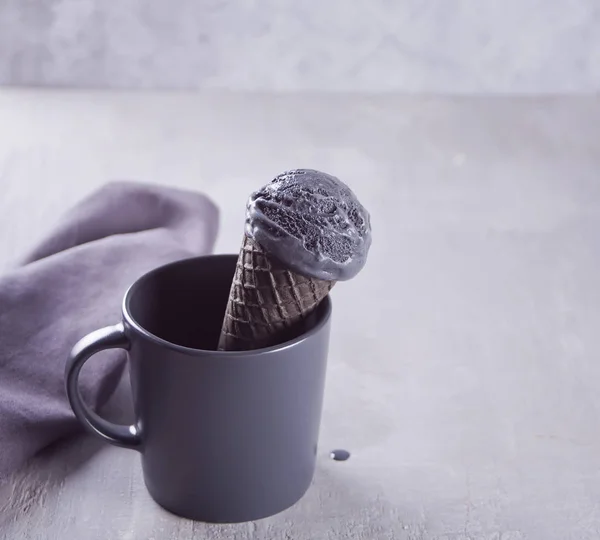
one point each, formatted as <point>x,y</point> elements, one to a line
<point>73,283</point>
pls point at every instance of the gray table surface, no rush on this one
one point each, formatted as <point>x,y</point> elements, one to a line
<point>464,373</point>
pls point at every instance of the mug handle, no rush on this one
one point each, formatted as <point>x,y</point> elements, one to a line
<point>111,337</point>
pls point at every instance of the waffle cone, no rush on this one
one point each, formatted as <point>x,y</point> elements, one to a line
<point>267,302</point>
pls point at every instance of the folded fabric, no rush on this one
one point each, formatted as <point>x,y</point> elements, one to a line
<point>73,283</point>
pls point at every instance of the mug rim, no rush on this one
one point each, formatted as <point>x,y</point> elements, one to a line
<point>130,320</point>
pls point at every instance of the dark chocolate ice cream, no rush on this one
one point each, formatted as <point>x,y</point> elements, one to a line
<point>304,231</point>
<point>312,222</point>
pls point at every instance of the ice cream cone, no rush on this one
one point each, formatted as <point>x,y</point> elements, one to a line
<point>267,301</point>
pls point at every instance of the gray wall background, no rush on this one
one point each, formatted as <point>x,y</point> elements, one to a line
<point>450,46</point>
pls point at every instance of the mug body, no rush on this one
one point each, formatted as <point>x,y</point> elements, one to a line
<point>224,436</point>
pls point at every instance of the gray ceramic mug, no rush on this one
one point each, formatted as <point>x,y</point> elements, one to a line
<point>223,436</point>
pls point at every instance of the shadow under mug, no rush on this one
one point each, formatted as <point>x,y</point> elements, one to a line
<point>223,436</point>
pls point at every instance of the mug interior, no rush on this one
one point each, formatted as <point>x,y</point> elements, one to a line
<point>184,302</point>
